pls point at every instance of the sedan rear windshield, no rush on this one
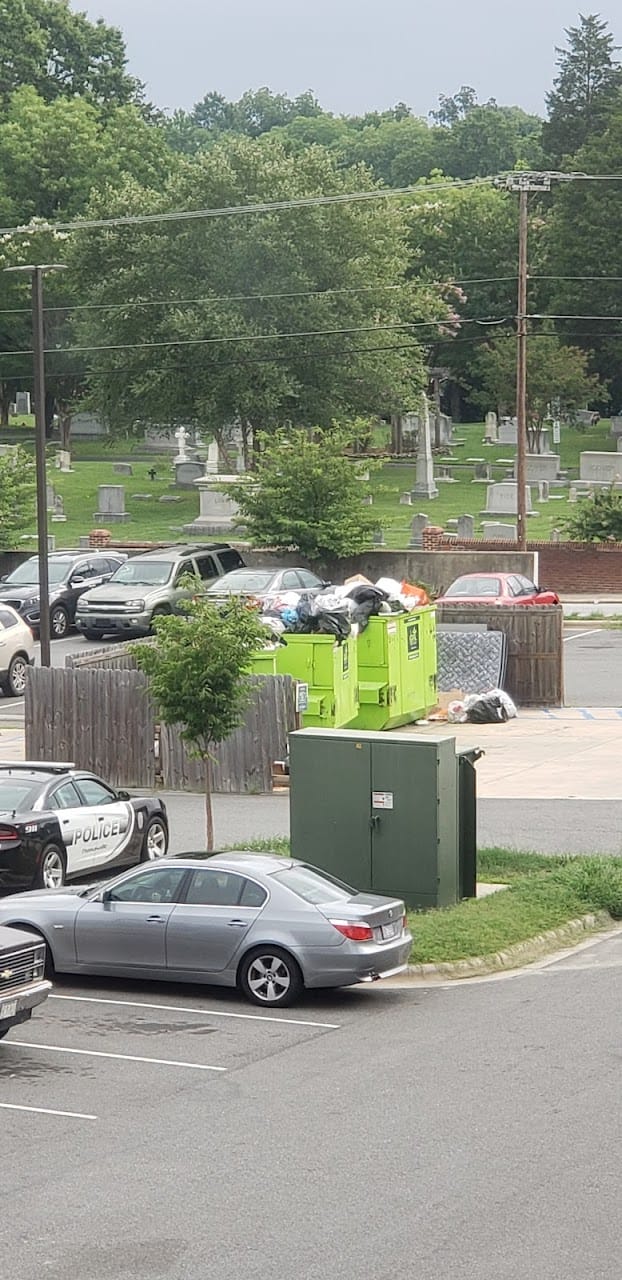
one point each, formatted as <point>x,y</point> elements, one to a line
<point>243,582</point>
<point>16,793</point>
<point>314,886</point>
<point>144,573</point>
<point>475,587</point>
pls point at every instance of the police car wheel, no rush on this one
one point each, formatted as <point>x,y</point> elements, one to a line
<point>155,843</point>
<point>51,869</point>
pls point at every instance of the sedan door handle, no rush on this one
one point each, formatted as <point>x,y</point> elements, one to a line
<point>236,924</point>
<point>155,919</point>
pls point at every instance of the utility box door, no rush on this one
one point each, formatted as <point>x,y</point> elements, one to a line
<point>414,821</point>
<point>330,818</point>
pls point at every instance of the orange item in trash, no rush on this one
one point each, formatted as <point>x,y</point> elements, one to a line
<point>417,593</point>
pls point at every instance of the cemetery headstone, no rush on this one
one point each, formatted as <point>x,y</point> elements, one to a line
<point>466,527</point>
<point>406,500</point>
<point>541,466</point>
<point>160,440</point>
<point>418,524</point>
<point>557,431</point>
<point>482,471</point>
<point>22,403</point>
<point>58,516</point>
<point>543,490</point>
<point>187,472</point>
<point>600,468</point>
<point>502,499</point>
<point>616,425</point>
<point>494,532</point>
<point>556,535</point>
<point>111,499</point>
<point>182,436</point>
<point>63,461</point>
<point>50,496</point>
<point>425,486</point>
<point>492,428</point>
<point>508,431</point>
<point>572,493</point>
<point>219,512</point>
<point>213,457</point>
<point>122,469</point>
<point>152,473</point>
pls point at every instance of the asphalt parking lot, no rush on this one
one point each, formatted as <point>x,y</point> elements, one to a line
<point>106,1053</point>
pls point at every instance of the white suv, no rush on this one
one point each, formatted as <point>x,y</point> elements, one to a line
<point>17,652</point>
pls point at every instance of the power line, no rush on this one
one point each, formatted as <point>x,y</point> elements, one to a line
<point>242,210</point>
<point>441,321</point>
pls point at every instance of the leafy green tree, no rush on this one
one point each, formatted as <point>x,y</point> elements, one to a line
<point>308,496</point>
<point>582,238</point>
<point>17,496</point>
<point>197,668</point>
<point>554,372</point>
<point>597,519</point>
<point>587,88</point>
<point>60,53</point>
<point>301,315</point>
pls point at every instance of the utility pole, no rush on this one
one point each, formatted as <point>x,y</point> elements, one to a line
<point>38,348</point>
<point>523,183</point>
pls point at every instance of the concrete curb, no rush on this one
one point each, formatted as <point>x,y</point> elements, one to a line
<point>518,955</point>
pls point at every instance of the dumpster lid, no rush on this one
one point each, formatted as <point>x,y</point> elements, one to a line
<point>472,754</point>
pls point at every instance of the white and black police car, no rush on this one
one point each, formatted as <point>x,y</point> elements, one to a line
<point>60,823</point>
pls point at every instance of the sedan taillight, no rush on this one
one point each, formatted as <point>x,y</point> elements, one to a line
<point>355,932</point>
<point>7,834</point>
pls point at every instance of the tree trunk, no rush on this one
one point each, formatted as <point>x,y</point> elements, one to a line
<point>209,816</point>
<point>247,435</point>
<point>5,400</point>
<point>222,448</point>
<point>65,431</point>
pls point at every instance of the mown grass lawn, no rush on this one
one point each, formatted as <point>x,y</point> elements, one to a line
<point>544,893</point>
<point>153,520</point>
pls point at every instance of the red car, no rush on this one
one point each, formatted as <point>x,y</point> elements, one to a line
<point>496,588</point>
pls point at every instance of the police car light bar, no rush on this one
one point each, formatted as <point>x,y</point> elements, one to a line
<point>44,766</point>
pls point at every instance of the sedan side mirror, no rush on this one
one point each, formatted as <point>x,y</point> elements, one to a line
<point>123,795</point>
<point>77,581</point>
<point>4,577</point>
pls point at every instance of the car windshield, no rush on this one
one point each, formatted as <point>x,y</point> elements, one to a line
<point>16,793</point>
<point>243,581</point>
<point>313,886</point>
<point>27,574</point>
<point>146,573</point>
<point>475,587</point>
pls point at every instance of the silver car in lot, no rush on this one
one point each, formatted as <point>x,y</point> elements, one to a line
<point>268,925</point>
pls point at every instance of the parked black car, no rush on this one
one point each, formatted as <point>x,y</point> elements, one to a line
<point>71,573</point>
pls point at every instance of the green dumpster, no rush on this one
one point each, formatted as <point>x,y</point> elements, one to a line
<point>331,672</point>
<point>264,663</point>
<point>397,669</point>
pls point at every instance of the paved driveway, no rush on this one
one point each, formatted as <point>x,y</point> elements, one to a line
<point>168,1133</point>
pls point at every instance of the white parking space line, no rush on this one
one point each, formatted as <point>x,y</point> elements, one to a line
<point>582,634</point>
<point>121,1057</point>
<point>45,1111</point>
<point>202,1013</point>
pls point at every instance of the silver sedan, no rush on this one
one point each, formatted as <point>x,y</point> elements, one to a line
<point>268,925</point>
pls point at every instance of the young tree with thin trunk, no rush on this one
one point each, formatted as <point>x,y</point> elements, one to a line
<point>198,666</point>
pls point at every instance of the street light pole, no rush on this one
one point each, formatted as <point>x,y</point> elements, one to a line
<point>38,347</point>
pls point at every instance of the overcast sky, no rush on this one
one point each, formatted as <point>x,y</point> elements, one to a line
<point>356,55</point>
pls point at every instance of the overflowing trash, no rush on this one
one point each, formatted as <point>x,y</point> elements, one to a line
<point>339,611</point>
<point>495,707</point>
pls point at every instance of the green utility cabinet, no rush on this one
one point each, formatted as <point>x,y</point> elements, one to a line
<point>397,669</point>
<point>381,811</point>
<point>330,669</point>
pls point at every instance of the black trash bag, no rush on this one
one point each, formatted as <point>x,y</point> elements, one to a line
<point>488,709</point>
<point>368,595</point>
<point>363,612</point>
<point>333,624</point>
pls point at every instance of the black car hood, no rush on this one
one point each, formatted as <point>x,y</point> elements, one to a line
<point>26,592</point>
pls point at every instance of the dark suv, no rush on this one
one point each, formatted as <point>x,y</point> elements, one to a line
<point>151,584</point>
<point>71,573</point>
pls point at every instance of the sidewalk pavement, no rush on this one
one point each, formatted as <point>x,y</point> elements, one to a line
<point>586,606</point>
<point>572,753</point>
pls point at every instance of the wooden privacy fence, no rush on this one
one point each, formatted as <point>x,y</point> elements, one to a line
<point>535,659</point>
<point>104,720</point>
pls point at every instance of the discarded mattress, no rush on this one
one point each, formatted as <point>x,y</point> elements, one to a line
<point>473,661</point>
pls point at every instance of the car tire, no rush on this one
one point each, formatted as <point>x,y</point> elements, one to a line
<point>270,977</point>
<point>155,840</point>
<point>59,622</point>
<point>52,868</point>
<point>14,684</point>
<point>93,635</point>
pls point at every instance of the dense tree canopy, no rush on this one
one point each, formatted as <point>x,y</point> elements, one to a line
<point>588,87</point>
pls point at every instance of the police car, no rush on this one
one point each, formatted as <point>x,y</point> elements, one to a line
<point>59,823</point>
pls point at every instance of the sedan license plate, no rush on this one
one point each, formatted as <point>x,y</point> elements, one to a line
<point>8,1009</point>
<point>391,930</point>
